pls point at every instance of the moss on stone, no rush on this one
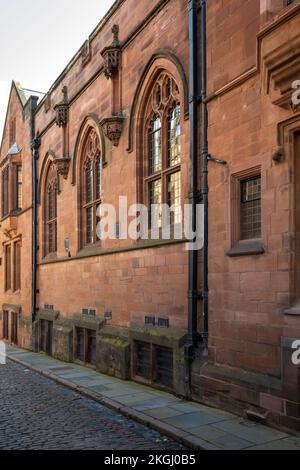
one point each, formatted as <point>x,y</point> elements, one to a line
<point>115,342</point>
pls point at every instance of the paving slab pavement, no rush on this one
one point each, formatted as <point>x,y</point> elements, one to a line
<point>194,425</point>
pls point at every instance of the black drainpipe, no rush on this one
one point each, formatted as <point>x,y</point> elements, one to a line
<point>35,145</point>
<point>205,157</point>
<point>194,194</point>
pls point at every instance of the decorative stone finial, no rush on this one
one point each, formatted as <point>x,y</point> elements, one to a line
<point>112,55</point>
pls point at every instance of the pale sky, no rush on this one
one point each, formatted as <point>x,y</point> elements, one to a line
<point>39,37</point>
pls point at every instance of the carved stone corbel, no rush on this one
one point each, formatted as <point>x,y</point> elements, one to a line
<point>62,166</point>
<point>112,128</point>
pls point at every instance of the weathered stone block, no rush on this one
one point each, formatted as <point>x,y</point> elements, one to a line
<point>113,352</point>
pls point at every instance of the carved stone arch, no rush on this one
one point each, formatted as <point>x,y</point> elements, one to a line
<point>163,59</point>
<point>90,121</point>
<point>48,159</point>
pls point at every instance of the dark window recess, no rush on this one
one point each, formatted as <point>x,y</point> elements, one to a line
<point>85,311</point>
<point>17,266</point>
<point>163,366</point>
<point>150,320</point>
<point>85,347</point>
<point>7,267</point>
<point>92,312</point>
<point>4,195</point>
<point>91,347</point>
<point>14,328</point>
<point>80,344</point>
<point>251,208</point>
<point>5,325</point>
<point>154,363</point>
<point>46,334</point>
<point>143,360</point>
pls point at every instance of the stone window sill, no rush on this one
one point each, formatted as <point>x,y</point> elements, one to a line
<point>295,310</point>
<point>247,248</point>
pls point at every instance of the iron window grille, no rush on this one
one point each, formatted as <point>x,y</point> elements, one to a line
<point>85,346</point>
<point>46,335</point>
<point>153,364</point>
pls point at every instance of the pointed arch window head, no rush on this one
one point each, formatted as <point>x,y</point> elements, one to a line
<point>91,187</point>
<point>162,181</point>
<point>50,211</point>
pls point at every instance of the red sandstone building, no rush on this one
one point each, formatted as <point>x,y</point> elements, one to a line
<point>123,119</point>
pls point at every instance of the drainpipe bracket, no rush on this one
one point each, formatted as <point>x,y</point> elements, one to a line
<point>195,195</point>
<point>195,294</point>
<point>219,161</point>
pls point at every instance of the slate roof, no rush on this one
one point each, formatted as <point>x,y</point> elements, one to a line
<point>25,93</point>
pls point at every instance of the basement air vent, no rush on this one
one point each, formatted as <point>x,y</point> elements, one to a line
<point>108,315</point>
<point>150,320</point>
<point>163,367</point>
<point>48,307</point>
<point>154,364</point>
<point>164,322</point>
<point>143,360</point>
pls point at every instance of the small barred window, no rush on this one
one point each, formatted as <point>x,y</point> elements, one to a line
<point>251,208</point>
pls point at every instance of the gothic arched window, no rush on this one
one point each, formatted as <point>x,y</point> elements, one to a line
<point>50,211</point>
<point>91,171</point>
<point>162,180</point>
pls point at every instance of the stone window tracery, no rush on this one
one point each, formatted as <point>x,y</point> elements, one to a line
<point>50,225</point>
<point>162,184</point>
<point>91,187</point>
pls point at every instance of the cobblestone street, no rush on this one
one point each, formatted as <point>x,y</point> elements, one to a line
<point>36,413</point>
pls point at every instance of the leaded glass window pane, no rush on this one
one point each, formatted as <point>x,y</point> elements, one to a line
<point>89,225</point>
<point>19,187</point>
<point>155,154</point>
<point>251,208</point>
<point>89,182</point>
<point>174,196</point>
<point>174,137</point>
<point>155,190</point>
